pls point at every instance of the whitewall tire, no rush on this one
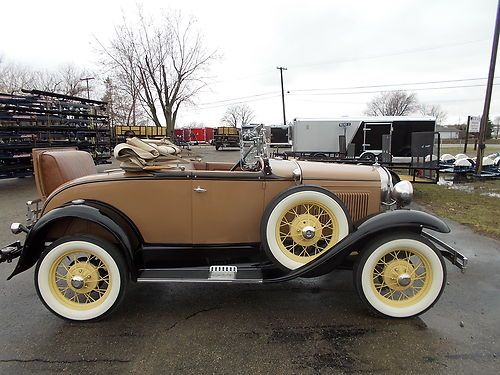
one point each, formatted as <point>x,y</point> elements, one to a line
<point>301,224</point>
<point>81,278</point>
<point>400,275</point>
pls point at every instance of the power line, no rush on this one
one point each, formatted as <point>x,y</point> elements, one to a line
<point>240,102</point>
<point>392,84</point>
<point>404,52</point>
<point>328,62</point>
<point>273,94</point>
<point>377,91</point>
<point>240,98</point>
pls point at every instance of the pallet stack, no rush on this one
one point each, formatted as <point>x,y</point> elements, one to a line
<point>45,119</point>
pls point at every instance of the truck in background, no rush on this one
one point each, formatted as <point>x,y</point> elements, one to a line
<point>122,132</point>
<point>184,136</point>
<point>226,136</point>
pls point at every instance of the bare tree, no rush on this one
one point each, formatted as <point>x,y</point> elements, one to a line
<point>393,103</point>
<point>231,117</point>
<point>163,60</point>
<point>46,81</point>
<point>246,114</point>
<point>66,80</point>
<point>120,105</point>
<point>14,77</point>
<point>71,80</point>
<point>434,111</point>
<point>240,114</point>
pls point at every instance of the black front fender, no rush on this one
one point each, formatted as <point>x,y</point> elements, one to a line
<point>374,226</point>
<point>34,242</point>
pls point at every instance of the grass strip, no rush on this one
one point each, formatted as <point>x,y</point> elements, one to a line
<point>472,207</point>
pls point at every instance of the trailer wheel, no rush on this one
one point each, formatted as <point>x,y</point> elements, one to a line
<point>217,146</point>
<point>400,275</point>
<point>368,156</point>
<point>301,224</point>
<point>319,156</point>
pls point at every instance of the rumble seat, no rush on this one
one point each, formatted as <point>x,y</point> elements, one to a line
<point>53,167</point>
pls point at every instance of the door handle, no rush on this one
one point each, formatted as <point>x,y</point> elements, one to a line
<point>199,189</point>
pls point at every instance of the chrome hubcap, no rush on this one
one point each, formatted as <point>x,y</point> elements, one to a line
<point>77,282</point>
<point>404,279</point>
<point>308,232</point>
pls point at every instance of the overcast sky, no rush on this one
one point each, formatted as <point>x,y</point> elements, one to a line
<point>334,49</point>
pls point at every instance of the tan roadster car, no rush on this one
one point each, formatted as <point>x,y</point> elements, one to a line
<point>91,234</point>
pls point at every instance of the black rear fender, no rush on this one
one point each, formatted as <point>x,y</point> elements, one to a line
<point>114,223</point>
<point>367,231</point>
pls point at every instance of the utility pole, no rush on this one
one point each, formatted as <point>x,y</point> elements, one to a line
<point>283,92</point>
<point>87,79</point>
<point>487,99</point>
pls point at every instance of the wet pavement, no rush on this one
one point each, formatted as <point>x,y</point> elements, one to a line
<point>309,326</point>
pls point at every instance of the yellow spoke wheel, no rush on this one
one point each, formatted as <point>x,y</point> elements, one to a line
<point>400,275</point>
<point>301,224</point>
<point>81,277</point>
<point>304,231</point>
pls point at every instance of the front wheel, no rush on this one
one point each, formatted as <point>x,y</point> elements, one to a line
<point>81,278</point>
<point>400,275</point>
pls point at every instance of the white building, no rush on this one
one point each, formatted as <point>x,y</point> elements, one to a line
<point>448,132</point>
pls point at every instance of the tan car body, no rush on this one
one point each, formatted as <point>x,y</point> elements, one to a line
<point>207,204</point>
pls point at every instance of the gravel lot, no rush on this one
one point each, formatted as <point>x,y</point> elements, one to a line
<point>310,326</point>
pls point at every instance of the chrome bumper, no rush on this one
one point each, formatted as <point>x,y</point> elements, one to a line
<point>455,257</point>
<point>10,252</point>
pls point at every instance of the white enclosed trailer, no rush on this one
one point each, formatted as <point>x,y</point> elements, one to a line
<point>364,134</point>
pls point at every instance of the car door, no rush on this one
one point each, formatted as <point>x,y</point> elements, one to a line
<point>227,207</point>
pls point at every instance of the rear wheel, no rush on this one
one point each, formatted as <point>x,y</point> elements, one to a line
<point>400,275</point>
<point>81,278</point>
<point>301,224</point>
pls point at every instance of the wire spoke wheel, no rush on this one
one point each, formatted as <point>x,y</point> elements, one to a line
<point>80,279</point>
<point>400,275</point>
<point>305,230</point>
<point>301,224</point>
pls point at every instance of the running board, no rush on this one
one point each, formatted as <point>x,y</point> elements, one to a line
<point>212,274</point>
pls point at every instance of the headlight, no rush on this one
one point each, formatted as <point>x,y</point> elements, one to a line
<point>402,193</point>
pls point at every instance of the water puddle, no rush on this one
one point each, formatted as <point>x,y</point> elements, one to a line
<point>463,184</point>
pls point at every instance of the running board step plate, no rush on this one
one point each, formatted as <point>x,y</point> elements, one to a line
<point>223,272</point>
<point>202,274</point>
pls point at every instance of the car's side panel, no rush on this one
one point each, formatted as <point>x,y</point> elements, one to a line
<point>273,188</point>
<point>226,211</point>
<point>160,208</point>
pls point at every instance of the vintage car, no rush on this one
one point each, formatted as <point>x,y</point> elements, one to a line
<point>90,234</point>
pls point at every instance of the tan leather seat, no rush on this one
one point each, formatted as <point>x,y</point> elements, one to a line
<point>54,167</point>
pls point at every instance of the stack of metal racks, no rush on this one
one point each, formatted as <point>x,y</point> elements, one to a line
<point>36,119</point>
